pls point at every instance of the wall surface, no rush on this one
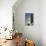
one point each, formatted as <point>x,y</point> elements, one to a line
<point>43,22</point>
<point>6,18</point>
<point>6,13</point>
<point>30,32</point>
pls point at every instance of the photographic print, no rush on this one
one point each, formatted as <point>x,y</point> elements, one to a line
<point>28,19</point>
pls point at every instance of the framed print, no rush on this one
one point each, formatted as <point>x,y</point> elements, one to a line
<point>28,19</point>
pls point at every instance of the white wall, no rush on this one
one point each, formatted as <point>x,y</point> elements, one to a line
<point>43,22</point>
<point>6,17</point>
<point>6,13</point>
<point>30,32</point>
